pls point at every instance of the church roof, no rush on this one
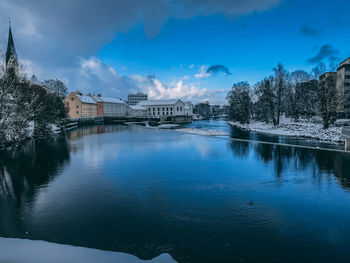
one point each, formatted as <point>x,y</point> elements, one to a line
<point>11,50</point>
<point>34,80</point>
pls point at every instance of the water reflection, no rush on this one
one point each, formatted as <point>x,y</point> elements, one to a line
<point>283,157</point>
<point>146,192</point>
<point>23,172</point>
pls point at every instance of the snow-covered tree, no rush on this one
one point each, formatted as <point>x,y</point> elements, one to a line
<point>264,107</point>
<point>57,87</point>
<point>280,84</point>
<point>27,110</point>
<point>239,102</point>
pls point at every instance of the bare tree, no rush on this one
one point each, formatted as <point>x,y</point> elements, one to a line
<point>265,105</point>
<point>327,100</point>
<point>280,81</point>
<point>240,102</point>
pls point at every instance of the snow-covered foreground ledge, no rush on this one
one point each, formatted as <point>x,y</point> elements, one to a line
<point>202,132</point>
<point>288,127</point>
<point>29,251</point>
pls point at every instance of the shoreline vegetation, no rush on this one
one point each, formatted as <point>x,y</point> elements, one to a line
<point>288,127</point>
<point>296,104</point>
<point>29,110</point>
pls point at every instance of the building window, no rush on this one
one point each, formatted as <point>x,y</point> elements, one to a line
<point>180,108</point>
<point>72,98</point>
<point>177,108</point>
<point>167,108</point>
<point>77,106</point>
<point>77,112</point>
<point>67,103</point>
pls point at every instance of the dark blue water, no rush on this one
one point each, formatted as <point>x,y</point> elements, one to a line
<point>146,192</point>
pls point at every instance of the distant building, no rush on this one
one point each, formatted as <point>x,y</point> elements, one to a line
<point>80,106</point>
<point>343,87</point>
<point>188,108</point>
<point>110,107</point>
<point>164,109</point>
<point>134,99</point>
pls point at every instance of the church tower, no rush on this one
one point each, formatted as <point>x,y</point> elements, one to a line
<point>11,55</point>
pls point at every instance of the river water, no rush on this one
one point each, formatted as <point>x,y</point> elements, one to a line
<point>200,199</point>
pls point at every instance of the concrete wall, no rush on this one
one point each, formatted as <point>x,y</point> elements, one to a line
<point>340,88</point>
<point>114,109</point>
<point>89,110</point>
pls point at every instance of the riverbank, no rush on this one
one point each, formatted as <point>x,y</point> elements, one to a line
<point>288,127</point>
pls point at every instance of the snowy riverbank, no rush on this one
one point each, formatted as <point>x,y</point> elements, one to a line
<point>288,127</point>
<point>28,251</point>
<point>202,132</point>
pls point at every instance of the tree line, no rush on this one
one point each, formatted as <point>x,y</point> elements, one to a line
<point>28,110</point>
<point>296,94</point>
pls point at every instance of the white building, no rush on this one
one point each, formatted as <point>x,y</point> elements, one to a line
<point>137,111</point>
<point>162,109</point>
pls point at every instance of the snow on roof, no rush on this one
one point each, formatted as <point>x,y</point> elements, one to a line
<point>85,98</point>
<point>112,100</point>
<point>158,102</point>
<point>137,107</point>
<point>34,80</point>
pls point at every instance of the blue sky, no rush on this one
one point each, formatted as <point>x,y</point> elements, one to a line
<point>249,38</point>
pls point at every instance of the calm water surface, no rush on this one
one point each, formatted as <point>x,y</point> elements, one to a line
<point>146,192</point>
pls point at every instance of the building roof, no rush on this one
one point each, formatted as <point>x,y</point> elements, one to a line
<point>11,50</point>
<point>85,98</point>
<point>34,80</point>
<point>106,99</point>
<point>111,100</point>
<point>137,107</point>
<point>158,102</point>
<point>138,94</point>
<point>346,62</point>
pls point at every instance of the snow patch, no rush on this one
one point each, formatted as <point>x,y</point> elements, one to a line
<point>288,127</point>
<point>28,251</point>
<point>202,132</point>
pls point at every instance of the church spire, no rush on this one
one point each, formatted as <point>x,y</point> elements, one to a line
<point>11,55</point>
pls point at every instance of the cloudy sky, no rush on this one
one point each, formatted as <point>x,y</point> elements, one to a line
<point>193,49</point>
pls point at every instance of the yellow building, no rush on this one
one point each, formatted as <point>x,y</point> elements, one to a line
<point>80,106</point>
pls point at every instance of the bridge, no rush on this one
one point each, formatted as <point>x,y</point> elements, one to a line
<point>346,135</point>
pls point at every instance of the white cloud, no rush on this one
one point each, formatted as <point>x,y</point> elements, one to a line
<point>202,72</point>
<point>94,76</point>
<point>156,89</point>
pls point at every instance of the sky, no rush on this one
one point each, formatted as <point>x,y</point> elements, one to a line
<point>189,49</point>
